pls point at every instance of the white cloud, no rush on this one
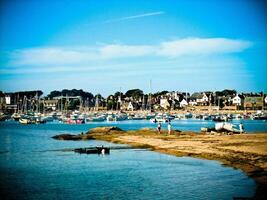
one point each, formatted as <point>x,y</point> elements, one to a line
<point>50,56</point>
<point>136,16</point>
<point>198,46</point>
<point>119,51</point>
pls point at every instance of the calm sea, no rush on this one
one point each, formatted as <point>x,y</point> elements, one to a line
<point>32,166</point>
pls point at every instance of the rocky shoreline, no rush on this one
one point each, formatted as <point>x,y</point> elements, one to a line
<point>247,152</point>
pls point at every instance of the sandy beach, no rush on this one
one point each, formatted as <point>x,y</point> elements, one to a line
<point>247,152</point>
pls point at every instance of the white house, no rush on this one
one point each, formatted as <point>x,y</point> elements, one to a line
<point>183,103</point>
<point>238,100</point>
<point>265,100</point>
<point>8,100</point>
<point>175,96</point>
<point>119,99</point>
<point>51,104</point>
<point>203,98</point>
<point>164,103</point>
<point>130,106</point>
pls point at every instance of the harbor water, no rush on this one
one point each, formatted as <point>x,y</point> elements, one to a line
<point>35,166</point>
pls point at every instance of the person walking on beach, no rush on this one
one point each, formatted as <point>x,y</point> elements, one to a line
<point>159,127</point>
<point>169,128</point>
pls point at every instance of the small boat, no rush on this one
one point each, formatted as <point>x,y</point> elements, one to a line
<point>206,117</point>
<point>74,121</point>
<point>188,115</point>
<point>100,118</point>
<point>40,120</point>
<point>259,116</point>
<point>3,117</point>
<point>178,117</point>
<point>138,117</point>
<point>25,121</point>
<point>121,117</point>
<point>150,116</point>
<point>160,120</point>
<point>218,118</point>
<point>93,150</point>
<point>226,126</point>
<point>111,118</point>
<point>16,116</point>
<point>238,116</point>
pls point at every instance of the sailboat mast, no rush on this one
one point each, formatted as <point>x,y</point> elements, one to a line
<point>149,96</point>
<point>96,103</point>
<point>120,98</point>
<point>37,103</point>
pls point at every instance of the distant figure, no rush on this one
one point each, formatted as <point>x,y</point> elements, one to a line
<point>241,128</point>
<point>169,128</point>
<point>159,127</point>
<point>102,150</point>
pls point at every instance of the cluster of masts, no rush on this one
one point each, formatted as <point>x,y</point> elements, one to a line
<point>77,117</point>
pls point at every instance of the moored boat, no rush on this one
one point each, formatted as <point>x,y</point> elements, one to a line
<point>26,121</point>
<point>16,116</point>
<point>228,127</point>
<point>93,150</point>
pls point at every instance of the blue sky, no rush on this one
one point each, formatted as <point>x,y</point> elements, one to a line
<point>100,46</point>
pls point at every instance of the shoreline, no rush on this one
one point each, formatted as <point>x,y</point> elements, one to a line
<point>247,152</point>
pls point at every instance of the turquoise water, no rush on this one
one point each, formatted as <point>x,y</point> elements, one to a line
<point>33,167</point>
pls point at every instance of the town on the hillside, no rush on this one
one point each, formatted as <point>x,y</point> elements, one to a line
<point>132,100</point>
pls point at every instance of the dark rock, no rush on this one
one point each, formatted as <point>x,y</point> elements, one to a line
<point>67,137</point>
<point>105,129</point>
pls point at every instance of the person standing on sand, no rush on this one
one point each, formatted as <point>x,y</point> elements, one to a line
<point>169,128</point>
<point>159,127</point>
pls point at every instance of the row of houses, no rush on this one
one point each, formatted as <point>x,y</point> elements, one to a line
<point>243,101</point>
<point>182,100</point>
<point>165,101</point>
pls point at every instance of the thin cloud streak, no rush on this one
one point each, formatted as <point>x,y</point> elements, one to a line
<point>180,66</point>
<point>136,16</point>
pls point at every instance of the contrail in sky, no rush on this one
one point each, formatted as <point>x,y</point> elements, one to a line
<point>136,16</point>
